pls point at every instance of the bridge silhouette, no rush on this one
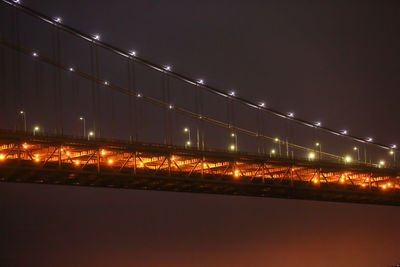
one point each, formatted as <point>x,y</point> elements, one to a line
<point>79,111</point>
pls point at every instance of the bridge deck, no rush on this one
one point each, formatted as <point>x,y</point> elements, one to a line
<point>111,163</point>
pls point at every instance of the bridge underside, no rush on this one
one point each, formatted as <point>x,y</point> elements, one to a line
<point>106,163</point>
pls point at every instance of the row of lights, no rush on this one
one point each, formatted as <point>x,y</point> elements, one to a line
<point>67,153</point>
<point>232,93</point>
<point>236,172</point>
<point>311,155</point>
<point>97,37</point>
<point>232,147</point>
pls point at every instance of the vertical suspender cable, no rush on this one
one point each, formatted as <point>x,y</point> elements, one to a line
<point>165,110</point>
<point>259,131</point>
<point>76,97</point>
<point>55,91</point>
<point>201,121</point>
<point>169,112</point>
<point>97,93</point>
<point>17,71</point>
<point>129,61</point>
<point>287,137</point>
<point>132,109</point>
<point>198,126</point>
<point>228,117</point>
<point>3,75</point>
<point>57,82</point>
<point>113,123</point>
<point>135,110</point>
<point>37,81</point>
<point>94,65</point>
<point>199,110</point>
<point>92,85</point>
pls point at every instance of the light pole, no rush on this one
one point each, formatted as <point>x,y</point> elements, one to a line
<point>235,148</point>
<point>188,142</point>
<point>23,114</point>
<point>198,138</point>
<point>277,140</point>
<point>84,125</point>
<point>317,144</point>
<point>35,129</point>
<point>393,153</point>
<point>358,152</point>
<point>91,134</point>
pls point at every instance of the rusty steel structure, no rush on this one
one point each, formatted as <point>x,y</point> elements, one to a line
<point>67,160</point>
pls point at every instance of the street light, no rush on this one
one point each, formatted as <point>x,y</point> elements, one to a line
<point>358,152</point>
<point>347,159</point>
<point>35,129</point>
<point>23,114</point>
<point>277,140</point>
<point>317,144</point>
<point>393,153</point>
<point>84,125</point>
<point>91,134</point>
<point>233,135</point>
<point>188,142</point>
<point>311,155</point>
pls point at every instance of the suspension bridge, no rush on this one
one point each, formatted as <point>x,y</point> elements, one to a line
<point>76,110</point>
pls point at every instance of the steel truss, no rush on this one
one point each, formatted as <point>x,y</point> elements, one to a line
<point>75,161</point>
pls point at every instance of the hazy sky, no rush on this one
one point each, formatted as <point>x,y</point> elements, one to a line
<point>335,61</point>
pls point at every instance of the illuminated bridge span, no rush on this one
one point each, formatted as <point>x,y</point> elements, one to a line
<point>65,123</point>
<point>75,161</point>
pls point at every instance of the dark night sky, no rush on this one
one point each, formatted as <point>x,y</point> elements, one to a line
<point>335,61</point>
